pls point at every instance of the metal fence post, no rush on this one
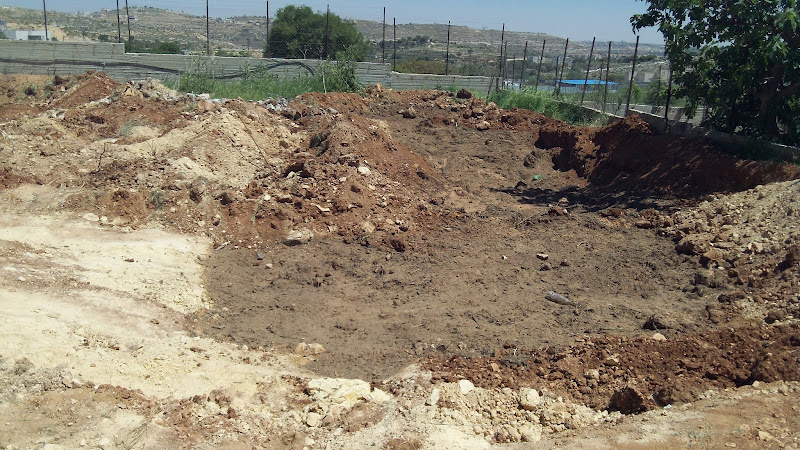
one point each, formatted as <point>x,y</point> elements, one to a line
<point>44,8</point>
<point>208,33</point>
<point>541,60</point>
<point>563,65</point>
<point>608,69</point>
<point>447,56</point>
<point>588,67</point>
<point>394,44</point>
<point>128,15</point>
<point>633,74</point>
<point>524,59</point>
<point>119,26</point>
<point>383,42</point>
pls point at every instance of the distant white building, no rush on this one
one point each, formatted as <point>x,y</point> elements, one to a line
<point>27,35</point>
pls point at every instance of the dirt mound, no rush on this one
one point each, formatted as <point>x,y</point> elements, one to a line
<point>627,155</point>
<point>339,101</point>
<point>82,89</point>
<point>635,375</point>
<point>246,243</point>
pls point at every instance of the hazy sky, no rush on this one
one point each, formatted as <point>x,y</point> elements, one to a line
<point>576,19</point>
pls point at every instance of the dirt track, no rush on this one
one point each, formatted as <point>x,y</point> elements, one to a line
<point>406,239</point>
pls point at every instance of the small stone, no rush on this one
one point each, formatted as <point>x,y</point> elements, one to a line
<point>83,443</point>
<point>367,227</point>
<point>104,442</point>
<point>313,419</point>
<point>592,374</point>
<point>483,126</point>
<point>21,279</point>
<point>529,399</point>
<point>530,433</point>
<point>543,256</point>
<point>297,237</point>
<point>644,224</point>
<point>409,113</point>
<point>465,386</point>
<point>658,337</point>
<point>433,399</point>
<point>364,170</point>
<point>91,217</point>
<point>379,396</point>
<point>764,436</point>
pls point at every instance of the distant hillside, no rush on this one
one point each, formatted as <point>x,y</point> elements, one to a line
<point>472,51</point>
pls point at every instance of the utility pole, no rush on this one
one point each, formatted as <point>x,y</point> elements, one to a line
<point>588,67</point>
<point>633,73</point>
<point>447,57</point>
<point>119,26</point>
<point>383,42</point>
<point>541,60</point>
<point>208,33</point>
<point>128,15</point>
<point>44,7</point>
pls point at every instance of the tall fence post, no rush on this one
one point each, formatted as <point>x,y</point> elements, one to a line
<point>383,42</point>
<point>500,63</point>
<point>44,8</point>
<point>128,16</point>
<point>633,74</point>
<point>208,33</point>
<point>608,69</point>
<point>327,17</point>
<point>555,83</point>
<point>588,67</point>
<point>541,60</point>
<point>119,26</point>
<point>563,65</point>
<point>447,56</point>
<point>267,53</point>
<point>394,44</point>
<point>524,59</point>
<point>513,70</point>
<point>669,97</point>
<point>505,63</point>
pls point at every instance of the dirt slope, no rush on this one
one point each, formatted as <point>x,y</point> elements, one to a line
<point>353,270</point>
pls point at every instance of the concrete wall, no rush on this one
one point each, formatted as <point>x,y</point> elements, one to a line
<point>66,58</point>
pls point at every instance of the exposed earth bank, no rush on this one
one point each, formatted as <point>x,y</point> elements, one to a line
<point>410,269</point>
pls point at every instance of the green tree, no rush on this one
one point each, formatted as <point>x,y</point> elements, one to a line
<point>3,35</point>
<point>299,32</point>
<point>740,57</point>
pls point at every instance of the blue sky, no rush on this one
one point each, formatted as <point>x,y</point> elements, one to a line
<point>576,19</point>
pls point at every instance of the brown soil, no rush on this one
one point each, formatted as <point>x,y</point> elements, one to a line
<point>401,228</point>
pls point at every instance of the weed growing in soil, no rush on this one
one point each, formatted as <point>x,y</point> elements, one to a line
<point>545,103</point>
<point>258,84</point>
